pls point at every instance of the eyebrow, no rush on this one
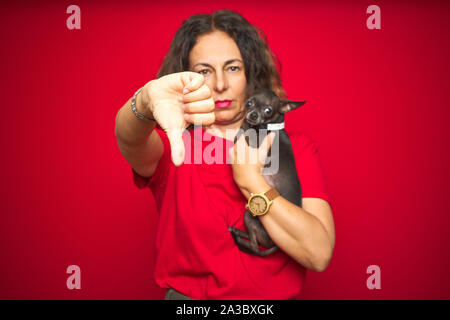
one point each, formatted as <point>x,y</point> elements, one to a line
<point>226,63</point>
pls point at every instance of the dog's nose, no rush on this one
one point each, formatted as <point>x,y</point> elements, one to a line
<point>253,116</point>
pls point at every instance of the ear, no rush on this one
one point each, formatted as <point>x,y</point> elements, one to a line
<point>288,105</point>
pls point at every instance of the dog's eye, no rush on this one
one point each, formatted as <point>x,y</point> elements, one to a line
<point>268,111</point>
<point>249,103</point>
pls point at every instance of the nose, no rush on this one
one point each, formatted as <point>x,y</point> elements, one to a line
<point>253,115</point>
<point>221,83</point>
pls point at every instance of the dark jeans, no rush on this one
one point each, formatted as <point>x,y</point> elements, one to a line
<point>172,294</point>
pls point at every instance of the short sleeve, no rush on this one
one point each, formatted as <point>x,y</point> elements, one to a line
<point>162,168</point>
<point>140,181</point>
<point>309,168</point>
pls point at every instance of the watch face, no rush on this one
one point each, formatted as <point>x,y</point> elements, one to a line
<point>258,205</point>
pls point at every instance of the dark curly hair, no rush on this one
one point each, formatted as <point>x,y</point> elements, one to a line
<point>259,61</point>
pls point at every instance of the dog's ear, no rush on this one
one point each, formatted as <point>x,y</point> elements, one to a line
<point>288,105</point>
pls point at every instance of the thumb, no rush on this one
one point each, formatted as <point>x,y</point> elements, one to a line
<point>192,81</point>
<point>175,136</point>
<point>265,146</point>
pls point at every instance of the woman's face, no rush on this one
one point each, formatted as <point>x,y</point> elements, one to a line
<point>217,57</point>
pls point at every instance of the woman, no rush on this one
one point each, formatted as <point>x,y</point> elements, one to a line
<point>214,64</point>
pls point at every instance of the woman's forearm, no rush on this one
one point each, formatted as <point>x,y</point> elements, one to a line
<point>295,231</point>
<point>131,131</point>
<point>136,139</point>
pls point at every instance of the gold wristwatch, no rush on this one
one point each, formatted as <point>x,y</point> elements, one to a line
<point>259,203</point>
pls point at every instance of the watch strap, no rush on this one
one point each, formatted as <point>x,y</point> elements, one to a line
<point>271,194</point>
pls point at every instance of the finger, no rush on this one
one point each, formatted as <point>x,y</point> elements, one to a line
<point>265,145</point>
<point>241,139</point>
<point>200,118</point>
<point>176,145</point>
<point>241,152</point>
<point>202,106</point>
<point>201,93</point>
<point>267,141</point>
<point>192,81</point>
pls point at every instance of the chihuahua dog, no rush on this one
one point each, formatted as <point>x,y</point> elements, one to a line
<point>265,113</point>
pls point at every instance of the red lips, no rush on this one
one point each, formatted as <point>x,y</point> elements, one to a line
<point>222,103</point>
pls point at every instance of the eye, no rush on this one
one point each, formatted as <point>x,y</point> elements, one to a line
<point>234,68</point>
<point>249,103</point>
<point>204,71</point>
<point>268,111</point>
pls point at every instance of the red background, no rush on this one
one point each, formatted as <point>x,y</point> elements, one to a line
<point>378,106</point>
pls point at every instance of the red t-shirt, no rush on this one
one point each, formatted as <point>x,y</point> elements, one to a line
<point>195,253</point>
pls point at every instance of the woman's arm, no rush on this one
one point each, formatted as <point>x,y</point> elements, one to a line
<point>140,145</point>
<point>175,101</point>
<point>306,234</point>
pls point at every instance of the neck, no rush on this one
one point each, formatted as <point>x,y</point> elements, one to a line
<point>221,130</point>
